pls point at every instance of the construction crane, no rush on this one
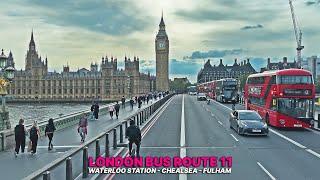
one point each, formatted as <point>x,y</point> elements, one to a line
<point>297,33</point>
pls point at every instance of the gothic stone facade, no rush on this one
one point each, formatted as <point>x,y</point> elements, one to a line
<point>162,58</point>
<point>35,83</point>
<point>210,73</point>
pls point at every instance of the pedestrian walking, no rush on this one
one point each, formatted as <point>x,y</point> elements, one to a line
<point>148,98</point>
<point>34,136</point>
<point>20,137</point>
<point>139,102</point>
<point>111,110</point>
<point>95,110</point>
<point>82,127</point>
<point>131,103</point>
<point>50,128</point>
<point>117,108</point>
<point>123,101</point>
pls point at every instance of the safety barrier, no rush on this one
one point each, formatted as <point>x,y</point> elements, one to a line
<point>93,147</point>
<point>7,136</point>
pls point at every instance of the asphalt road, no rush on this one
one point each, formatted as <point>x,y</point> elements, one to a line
<point>63,141</point>
<point>284,154</point>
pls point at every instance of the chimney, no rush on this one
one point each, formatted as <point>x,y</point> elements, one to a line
<point>269,61</point>
<point>244,62</point>
<point>241,64</point>
<point>248,61</point>
<point>235,60</point>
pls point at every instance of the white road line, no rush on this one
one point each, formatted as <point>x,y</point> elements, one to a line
<point>145,131</point>
<point>234,137</point>
<point>212,114</point>
<point>266,171</point>
<point>288,139</point>
<point>312,152</point>
<point>220,122</point>
<point>183,151</point>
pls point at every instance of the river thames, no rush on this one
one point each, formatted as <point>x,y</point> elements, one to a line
<point>42,111</point>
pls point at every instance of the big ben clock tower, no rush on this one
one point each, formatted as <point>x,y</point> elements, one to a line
<point>162,58</point>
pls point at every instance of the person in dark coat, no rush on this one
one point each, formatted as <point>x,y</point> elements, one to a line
<point>117,108</point>
<point>95,110</point>
<point>139,102</point>
<point>133,134</point>
<point>34,136</point>
<point>50,128</point>
<point>123,101</point>
<point>20,137</point>
<point>131,103</point>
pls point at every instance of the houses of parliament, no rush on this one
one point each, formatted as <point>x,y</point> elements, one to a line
<point>104,82</point>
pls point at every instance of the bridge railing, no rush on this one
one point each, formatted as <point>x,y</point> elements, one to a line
<point>7,136</point>
<point>75,162</point>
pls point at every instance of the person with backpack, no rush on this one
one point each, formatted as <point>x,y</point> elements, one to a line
<point>20,137</point>
<point>34,136</point>
<point>82,127</point>
<point>117,108</point>
<point>133,134</point>
<point>111,110</point>
<point>131,103</point>
<point>50,128</point>
<point>123,101</point>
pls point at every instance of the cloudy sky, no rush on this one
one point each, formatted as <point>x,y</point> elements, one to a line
<point>79,32</point>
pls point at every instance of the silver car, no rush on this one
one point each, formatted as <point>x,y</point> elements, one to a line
<point>248,122</point>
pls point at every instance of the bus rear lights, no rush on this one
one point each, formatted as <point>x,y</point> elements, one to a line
<point>282,121</point>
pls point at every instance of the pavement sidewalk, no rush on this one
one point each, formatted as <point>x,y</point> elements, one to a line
<point>63,141</point>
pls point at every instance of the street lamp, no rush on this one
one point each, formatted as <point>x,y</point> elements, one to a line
<point>6,77</point>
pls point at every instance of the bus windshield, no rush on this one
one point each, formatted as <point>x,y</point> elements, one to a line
<point>296,107</point>
<point>294,79</point>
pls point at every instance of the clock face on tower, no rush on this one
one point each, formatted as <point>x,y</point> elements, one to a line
<point>161,45</point>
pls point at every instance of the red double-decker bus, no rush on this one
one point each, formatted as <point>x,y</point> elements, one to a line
<point>284,98</point>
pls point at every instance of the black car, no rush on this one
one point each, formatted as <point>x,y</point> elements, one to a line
<point>248,122</point>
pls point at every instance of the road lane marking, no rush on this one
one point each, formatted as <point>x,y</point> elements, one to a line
<point>312,152</point>
<point>234,137</point>
<point>286,138</point>
<point>266,171</point>
<point>212,114</point>
<point>220,123</point>
<point>145,131</point>
<point>183,150</point>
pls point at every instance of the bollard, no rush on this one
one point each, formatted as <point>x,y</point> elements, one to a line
<point>97,148</point>
<point>126,124</point>
<point>121,133</point>
<point>85,163</point>
<point>107,153</point>
<point>68,169</point>
<point>46,175</point>
<point>114,138</point>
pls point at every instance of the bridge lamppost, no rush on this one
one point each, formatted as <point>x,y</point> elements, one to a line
<point>6,77</point>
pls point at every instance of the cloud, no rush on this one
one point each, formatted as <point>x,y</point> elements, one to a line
<point>215,53</point>
<point>109,17</point>
<point>258,26</point>
<point>310,3</point>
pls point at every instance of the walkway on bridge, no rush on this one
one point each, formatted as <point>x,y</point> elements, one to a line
<point>63,141</point>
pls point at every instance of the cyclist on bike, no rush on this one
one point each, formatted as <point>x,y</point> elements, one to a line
<point>133,133</point>
<point>233,103</point>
